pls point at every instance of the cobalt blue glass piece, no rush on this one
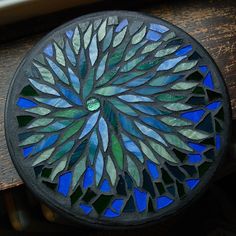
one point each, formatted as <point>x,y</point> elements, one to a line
<point>163,202</point>
<point>192,183</point>
<point>64,183</point>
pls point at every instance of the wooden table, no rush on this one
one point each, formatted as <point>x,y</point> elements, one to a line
<point>211,22</point>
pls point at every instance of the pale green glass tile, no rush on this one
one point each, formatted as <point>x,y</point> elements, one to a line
<point>119,37</point>
<point>147,151</point>
<point>184,85</point>
<point>60,167</point>
<point>133,171</point>
<point>43,156</point>
<point>76,40</point>
<point>78,172</point>
<point>139,36</point>
<point>39,110</point>
<point>111,170</point>
<point>193,134</point>
<point>169,36</point>
<point>175,121</point>
<point>40,122</point>
<point>151,47</point>
<point>102,31</point>
<point>166,51</point>
<point>185,66</point>
<point>45,73</point>
<point>167,97</point>
<point>101,67</point>
<point>32,139</point>
<point>59,55</point>
<point>177,106</point>
<point>87,36</point>
<point>93,50</point>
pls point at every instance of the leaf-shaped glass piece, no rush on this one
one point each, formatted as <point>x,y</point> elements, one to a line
<point>40,122</point>
<point>134,98</point>
<point>166,51</point>
<point>123,78</point>
<point>87,36</point>
<point>76,40</point>
<point>116,57</point>
<point>110,115</point>
<point>160,150</point>
<point>103,129</point>
<point>139,36</point>
<point>45,73</point>
<point>43,156</point>
<point>59,55</point>
<point>92,146</point>
<point>117,151</point>
<point>185,66</point>
<point>32,139</point>
<point>93,50</point>
<point>133,170</point>
<point>102,30</point>
<point>132,147</point>
<point>107,76</point>
<point>155,123</point>
<point>184,85</point>
<point>88,86</point>
<point>170,63</point>
<point>101,67</point>
<point>119,37</point>
<point>123,107</point>
<point>60,167</point>
<point>169,97</point>
<point>111,170</point>
<point>99,164</point>
<point>193,134</point>
<point>58,71</point>
<point>177,142</point>
<point>54,102</point>
<point>121,25</point>
<point>164,80</point>
<point>140,80</point>
<point>133,50</point>
<point>149,110</point>
<point>39,110</point>
<point>82,64</point>
<point>58,125</point>
<point>78,171</point>
<point>177,106</point>
<point>44,88</point>
<point>78,152</point>
<point>75,82</point>
<point>173,121</point>
<point>148,152</point>
<point>131,64</point>
<point>150,47</point>
<point>70,54</point>
<point>150,133</point>
<point>107,40</point>
<point>89,124</point>
<point>110,90</point>
<point>70,113</point>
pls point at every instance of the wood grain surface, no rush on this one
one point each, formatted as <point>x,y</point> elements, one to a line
<point>211,22</point>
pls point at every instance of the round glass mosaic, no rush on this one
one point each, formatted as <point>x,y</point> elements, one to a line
<point>117,119</point>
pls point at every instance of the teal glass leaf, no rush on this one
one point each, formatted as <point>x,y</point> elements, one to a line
<point>78,171</point>
<point>102,30</point>
<point>110,90</point>
<point>59,55</point>
<point>133,170</point>
<point>170,63</point>
<point>45,73</point>
<point>44,88</point>
<point>87,36</point>
<point>76,40</point>
<point>119,37</point>
<point>103,129</point>
<point>92,146</point>
<point>70,54</point>
<point>139,36</point>
<point>111,170</point>
<point>99,164</point>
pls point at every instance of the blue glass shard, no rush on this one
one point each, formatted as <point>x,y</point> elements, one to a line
<point>150,90</point>
<point>153,36</point>
<point>70,95</point>
<point>164,80</point>
<point>218,142</point>
<point>158,28</point>
<point>184,50</point>
<point>194,116</point>
<point>25,103</point>
<point>70,54</point>
<point>147,109</point>
<point>203,69</point>
<point>139,81</point>
<point>49,50</point>
<point>140,199</point>
<point>27,151</point>
<point>74,81</point>
<point>134,98</point>
<point>111,214</point>
<point>86,209</point>
<point>197,147</point>
<point>88,178</point>
<point>121,25</point>
<point>55,102</point>
<point>192,183</point>
<point>194,158</point>
<point>103,129</point>
<point>117,205</point>
<point>45,143</point>
<point>64,183</point>
<point>99,167</point>
<point>152,167</point>
<point>132,147</point>
<point>69,34</point>
<point>90,124</point>
<point>93,144</point>
<point>155,123</point>
<point>213,105</point>
<point>208,82</point>
<point>163,201</point>
<point>170,63</point>
<point>105,187</point>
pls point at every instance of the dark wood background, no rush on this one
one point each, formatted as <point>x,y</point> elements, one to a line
<point>211,22</point>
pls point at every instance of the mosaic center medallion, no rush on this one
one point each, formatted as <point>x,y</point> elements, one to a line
<point>117,119</point>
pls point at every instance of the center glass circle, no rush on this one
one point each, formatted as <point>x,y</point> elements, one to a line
<point>93,104</point>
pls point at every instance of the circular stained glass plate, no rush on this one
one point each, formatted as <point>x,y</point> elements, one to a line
<point>117,119</point>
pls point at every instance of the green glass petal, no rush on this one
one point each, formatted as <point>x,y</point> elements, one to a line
<point>162,152</point>
<point>78,171</point>
<point>167,97</point>
<point>177,106</point>
<point>193,134</point>
<point>133,50</point>
<point>166,51</point>
<point>176,141</point>
<point>93,50</point>
<point>45,73</point>
<point>39,110</point>
<point>112,20</point>
<point>61,151</point>
<point>131,64</point>
<point>102,31</point>
<point>147,151</point>
<point>40,122</point>
<point>123,107</point>
<point>119,37</point>
<point>43,156</point>
<point>151,47</point>
<point>184,85</point>
<point>70,54</point>
<point>139,36</point>
<point>116,57</point>
<point>110,90</point>
<point>107,76</point>
<point>107,40</point>
<point>76,40</point>
<point>70,113</point>
<point>174,121</point>
<point>117,151</point>
<point>58,125</point>
<point>185,66</point>
<point>101,67</point>
<point>133,171</point>
<point>60,167</point>
<point>82,64</point>
<point>169,36</point>
<point>127,77</point>
<point>87,36</point>
<point>111,170</point>
<point>74,128</point>
<point>88,86</point>
<point>99,165</point>
<point>32,139</point>
<point>148,64</point>
<point>59,55</point>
